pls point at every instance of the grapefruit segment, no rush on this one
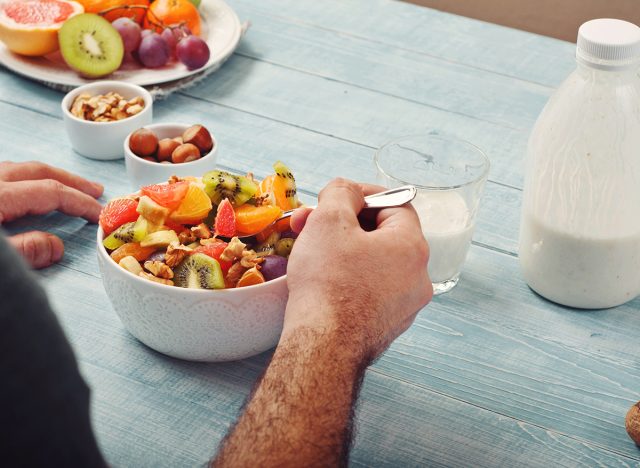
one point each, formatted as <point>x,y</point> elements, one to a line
<point>225,224</point>
<point>31,27</point>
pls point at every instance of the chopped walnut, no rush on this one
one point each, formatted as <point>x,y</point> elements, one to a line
<point>159,269</point>
<point>187,237</point>
<point>149,276</point>
<point>234,274</point>
<point>250,259</point>
<point>108,107</point>
<point>233,250</point>
<point>174,179</point>
<point>175,253</point>
<point>201,231</point>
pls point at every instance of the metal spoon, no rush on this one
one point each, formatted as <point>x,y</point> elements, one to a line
<point>387,199</point>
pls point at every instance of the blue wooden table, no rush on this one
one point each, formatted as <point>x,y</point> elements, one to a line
<point>490,374</point>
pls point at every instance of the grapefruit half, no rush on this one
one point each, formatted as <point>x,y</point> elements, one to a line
<point>31,27</point>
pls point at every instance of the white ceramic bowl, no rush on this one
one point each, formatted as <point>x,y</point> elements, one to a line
<point>193,324</point>
<point>103,140</point>
<point>142,172</point>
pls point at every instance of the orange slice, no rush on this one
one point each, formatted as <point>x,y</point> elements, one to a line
<point>195,206</point>
<point>252,219</point>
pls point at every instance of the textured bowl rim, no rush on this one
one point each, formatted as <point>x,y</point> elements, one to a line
<point>102,251</point>
<point>65,103</point>
<point>129,154</point>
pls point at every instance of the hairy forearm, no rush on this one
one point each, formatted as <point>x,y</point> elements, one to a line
<point>300,413</point>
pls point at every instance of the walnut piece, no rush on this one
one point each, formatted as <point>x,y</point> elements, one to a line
<point>175,253</point>
<point>234,274</point>
<point>233,250</point>
<point>159,269</point>
<point>149,276</point>
<point>105,107</point>
<point>187,237</point>
<point>201,231</point>
<point>250,259</point>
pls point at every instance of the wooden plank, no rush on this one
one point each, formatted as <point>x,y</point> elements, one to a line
<point>490,343</point>
<point>507,51</point>
<point>333,109</point>
<point>395,71</point>
<point>496,344</point>
<point>247,143</point>
<point>151,410</point>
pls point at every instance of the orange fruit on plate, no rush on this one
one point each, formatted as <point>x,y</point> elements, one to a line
<point>195,206</point>
<point>164,13</point>
<point>114,9</point>
<point>252,219</point>
<point>31,27</point>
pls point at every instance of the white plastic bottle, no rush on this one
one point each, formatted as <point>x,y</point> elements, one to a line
<point>580,224</point>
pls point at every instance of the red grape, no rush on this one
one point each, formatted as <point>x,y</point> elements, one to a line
<point>153,51</point>
<point>273,266</point>
<point>169,37</point>
<point>193,52</point>
<point>129,31</point>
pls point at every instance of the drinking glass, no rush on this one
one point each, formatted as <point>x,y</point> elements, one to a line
<point>450,175</point>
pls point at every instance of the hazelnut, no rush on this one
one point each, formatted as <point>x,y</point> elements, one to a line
<point>143,142</point>
<point>185,153</point>
<point>632,423</point>
<point>165,149</point>
<point>199,136</point>
<point>150,159</point>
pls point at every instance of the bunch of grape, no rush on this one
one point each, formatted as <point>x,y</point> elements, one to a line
<point>155,50</point>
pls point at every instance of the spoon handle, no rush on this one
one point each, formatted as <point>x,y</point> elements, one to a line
<point>393,197</point>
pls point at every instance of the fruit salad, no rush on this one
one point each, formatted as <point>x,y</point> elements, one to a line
<point>186,232</point>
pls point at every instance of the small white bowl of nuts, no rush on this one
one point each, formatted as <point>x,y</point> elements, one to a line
<point>156,152</point>
<point>98,116</point>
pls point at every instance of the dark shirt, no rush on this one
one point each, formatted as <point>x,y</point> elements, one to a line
<point>44,413</point>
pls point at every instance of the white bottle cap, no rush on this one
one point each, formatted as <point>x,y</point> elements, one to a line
<point>609,44</point>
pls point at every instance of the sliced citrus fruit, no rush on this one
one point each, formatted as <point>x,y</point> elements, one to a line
<point>116,213</point>
<point>250,277</point>
<point>225,224</point>
<point>273,191</point>
<point>167,195</point>
<point>133,249</point>
<point>252,219</point>
<point>194,207</point>
<point>31,27</point>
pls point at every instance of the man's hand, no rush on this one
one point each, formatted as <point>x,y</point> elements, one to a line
<point>365,287</point>
<point>35,188</point>
<point>351,293</point>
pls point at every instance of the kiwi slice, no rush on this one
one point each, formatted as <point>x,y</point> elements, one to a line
<point>91,45</point>
<point>199,271</point>
<point>268,247</point>
<point>128,232</point>
<point>220,185</point>
<point>283,246</point>
<point>291,192</point>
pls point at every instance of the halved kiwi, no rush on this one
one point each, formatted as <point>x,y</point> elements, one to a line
<point>199,271</point>
<point>90,45</point>
<point>220,185</point>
